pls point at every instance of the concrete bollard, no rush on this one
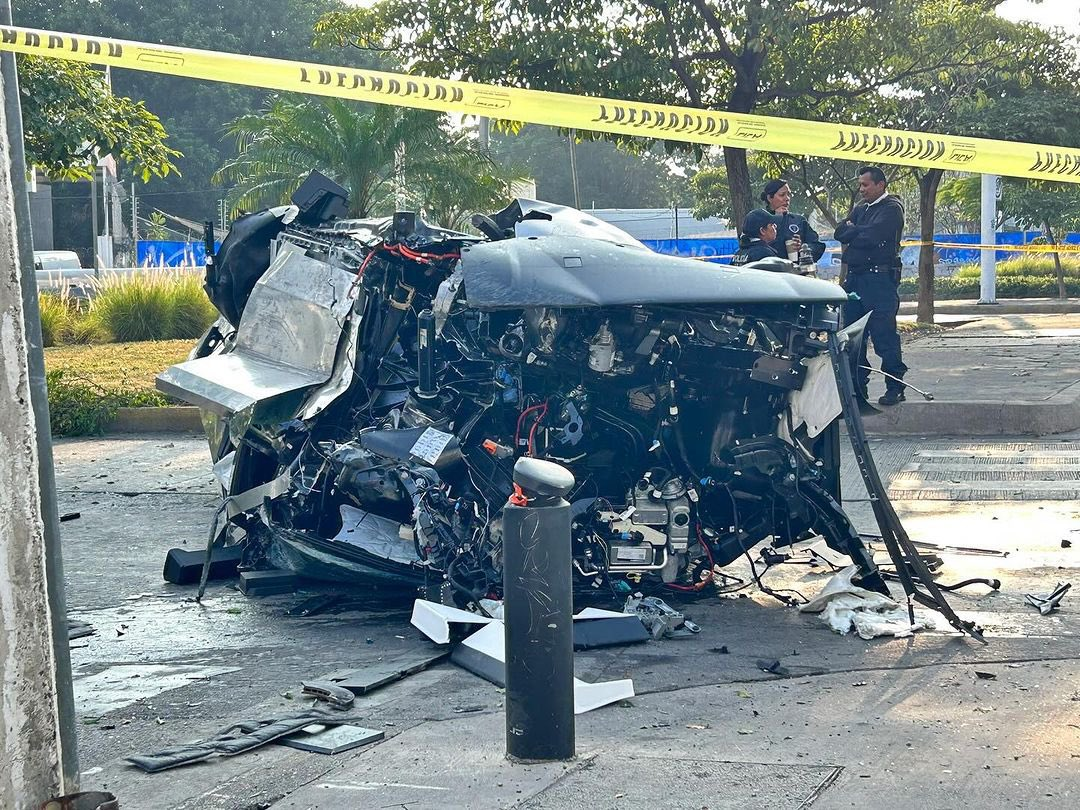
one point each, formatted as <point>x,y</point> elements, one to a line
<point>538,612</point>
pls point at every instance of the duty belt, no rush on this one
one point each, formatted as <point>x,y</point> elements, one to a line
<point>877,268</point>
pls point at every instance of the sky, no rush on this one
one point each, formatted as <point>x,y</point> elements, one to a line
<point>1047,14</point>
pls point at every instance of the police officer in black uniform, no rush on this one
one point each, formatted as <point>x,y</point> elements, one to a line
<point>872,234</point>
<point>777,198</point>
<point>755,240</point>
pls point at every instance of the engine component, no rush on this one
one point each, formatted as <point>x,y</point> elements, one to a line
<point>602,350</point>
<point>426,387</point>
<point>572,428</point>
<point>660,618</point>
<point>512,343</point>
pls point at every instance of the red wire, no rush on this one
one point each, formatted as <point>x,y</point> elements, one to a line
<point>712,563</point>
<point>536,424</point>
<point>420,256</point>
<point>364,264</point>
<point>521,421</point>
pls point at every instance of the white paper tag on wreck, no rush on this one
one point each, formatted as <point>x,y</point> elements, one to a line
<point>430,445</point>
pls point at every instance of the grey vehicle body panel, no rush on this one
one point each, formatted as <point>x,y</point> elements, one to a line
<point>548,219</point>
<point>571,271</point>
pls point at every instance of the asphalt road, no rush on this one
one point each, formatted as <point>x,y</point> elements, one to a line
<point>895,723</point>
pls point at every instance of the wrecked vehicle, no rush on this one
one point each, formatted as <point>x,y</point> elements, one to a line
<point>371,382</point>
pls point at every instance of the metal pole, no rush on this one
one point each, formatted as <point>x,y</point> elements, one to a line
<point>538,609</point>
<point>94,220</point>
<point>134,224</point>
<point>37,729</point>
<point>573,168</point>
<point>484,126</point>
<point>105,204</point>
<point>988,280</point>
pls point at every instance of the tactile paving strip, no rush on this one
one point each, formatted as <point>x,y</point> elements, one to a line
<point>1023,471</point>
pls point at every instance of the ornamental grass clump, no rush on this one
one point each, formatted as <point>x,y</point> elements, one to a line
<point>134,306</point>
<point>192,312</point>
<point>55,318</point>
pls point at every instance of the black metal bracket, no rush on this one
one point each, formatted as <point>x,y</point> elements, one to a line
<point>910,568</point>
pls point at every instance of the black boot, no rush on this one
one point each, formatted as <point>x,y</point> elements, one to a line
<point>892,396</point>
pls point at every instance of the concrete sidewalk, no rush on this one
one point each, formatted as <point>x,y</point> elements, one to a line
<point>1008,375</point>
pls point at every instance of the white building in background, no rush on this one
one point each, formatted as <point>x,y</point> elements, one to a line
<point>661,223</point>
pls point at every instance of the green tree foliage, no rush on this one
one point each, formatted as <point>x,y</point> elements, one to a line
<point>194,113</point>
<point>609,175</point>
<point>712,197</point>
<point>70,118</point>
<point>803,58</point>
<point>382,155</point>
<point>1053,208</point>
<point>987,95</point>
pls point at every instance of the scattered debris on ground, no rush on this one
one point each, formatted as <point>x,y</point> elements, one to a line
<point>1046,603</point>
<point>239,738</point>
<point>79,629</point>
<point>659,618</point>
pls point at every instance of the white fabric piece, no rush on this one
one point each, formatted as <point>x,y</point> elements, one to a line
<point>840,585</point>
<point>872,619</point>
<point>817,403</point>
<point>846,607</point>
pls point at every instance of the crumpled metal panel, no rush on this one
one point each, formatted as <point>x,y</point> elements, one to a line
<point>287,338</point>
<point>567,271</point>
<point>561,220</point>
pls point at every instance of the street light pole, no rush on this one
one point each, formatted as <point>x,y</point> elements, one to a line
<point>988,279</point>
<point>573,168</point>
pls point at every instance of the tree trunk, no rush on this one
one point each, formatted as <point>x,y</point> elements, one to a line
<point>1058,269</point>
<point>738,176</point>
<point>743,99</point>
<point>928,189</point>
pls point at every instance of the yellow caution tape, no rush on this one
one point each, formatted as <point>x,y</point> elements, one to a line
<point>688,124</point>
<point>1003,248</point>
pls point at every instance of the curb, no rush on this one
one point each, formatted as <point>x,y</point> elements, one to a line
<point>1057,414</point>
<point>180,419</point>
<point>1010,306</point>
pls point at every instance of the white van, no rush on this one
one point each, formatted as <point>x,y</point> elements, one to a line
<point>60,269</point>
<point>47,260</point>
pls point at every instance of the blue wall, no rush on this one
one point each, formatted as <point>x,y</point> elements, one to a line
<point>163,253</point>
<point>721,249</point>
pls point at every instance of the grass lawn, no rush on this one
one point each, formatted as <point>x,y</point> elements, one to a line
<point>129,367</point>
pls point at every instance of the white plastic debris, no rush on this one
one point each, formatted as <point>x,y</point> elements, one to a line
<point>484,653</point>
<point>434,620</point>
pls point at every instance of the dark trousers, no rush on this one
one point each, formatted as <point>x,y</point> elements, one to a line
<point>879,295</point>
